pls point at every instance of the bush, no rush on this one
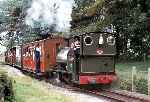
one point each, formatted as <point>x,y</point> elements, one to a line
<point>125,84</point>
<point>6,88</point>
<point>141,86</point>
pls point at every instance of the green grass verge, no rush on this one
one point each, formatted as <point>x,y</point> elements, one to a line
<point>30,90</point>
<point>27,89</point>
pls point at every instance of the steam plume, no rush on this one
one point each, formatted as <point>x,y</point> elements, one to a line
<point>54,14</point>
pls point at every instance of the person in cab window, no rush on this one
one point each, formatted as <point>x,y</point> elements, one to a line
<point>76,45</point>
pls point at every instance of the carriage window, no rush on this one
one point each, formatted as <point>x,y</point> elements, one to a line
<point>88,40</point>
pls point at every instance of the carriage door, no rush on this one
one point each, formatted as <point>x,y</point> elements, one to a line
<point>37,59</point>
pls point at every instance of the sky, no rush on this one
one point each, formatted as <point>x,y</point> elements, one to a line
<point>2,48</point>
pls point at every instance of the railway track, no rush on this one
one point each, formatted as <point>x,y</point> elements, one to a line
<point>120,97</point>
<point>110,95</point>
<point>115,96</point>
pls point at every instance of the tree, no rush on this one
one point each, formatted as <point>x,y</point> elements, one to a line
<point>87,16</point>
<point>131,21</point>
<point>10,12</point>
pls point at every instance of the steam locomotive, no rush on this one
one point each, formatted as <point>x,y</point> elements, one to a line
<point>92,63</point>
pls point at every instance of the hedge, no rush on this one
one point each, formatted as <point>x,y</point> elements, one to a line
<point>6,88</point>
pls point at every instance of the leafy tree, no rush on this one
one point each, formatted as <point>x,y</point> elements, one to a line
<point>10,12</point>
<point>87,16</point>
<point>130,18</point>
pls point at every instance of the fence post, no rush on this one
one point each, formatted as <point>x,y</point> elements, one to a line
<point>133,78</point>
<point>148,81</point>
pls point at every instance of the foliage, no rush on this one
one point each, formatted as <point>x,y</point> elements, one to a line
<point>124,73</point>
<point>125,85</point>
<point>86,8</point>
<point>6,6</point>
<point>10,11</point>
<point>87,16</point>
<point>141,86</point>
<point>6,86</point>
<point>131,21</point>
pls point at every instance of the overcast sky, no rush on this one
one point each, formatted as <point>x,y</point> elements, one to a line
<point>2,48</point>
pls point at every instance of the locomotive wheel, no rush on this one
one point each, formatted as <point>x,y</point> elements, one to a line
<point>48,76</point>
<point>67,78</point>
<point>58,77</point>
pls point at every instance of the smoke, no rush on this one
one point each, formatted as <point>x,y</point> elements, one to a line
<point>52,14</point>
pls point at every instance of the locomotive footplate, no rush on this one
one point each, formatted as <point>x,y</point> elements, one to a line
<point>96,79</point>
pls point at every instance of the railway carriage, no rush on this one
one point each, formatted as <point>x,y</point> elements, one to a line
<point>23,56</point>
<point>10,56</point>
<point>47,49</point>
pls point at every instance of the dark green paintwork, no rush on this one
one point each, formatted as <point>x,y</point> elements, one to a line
<point>97,64</point>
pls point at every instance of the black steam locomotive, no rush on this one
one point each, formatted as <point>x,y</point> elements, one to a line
<point>93,62</point>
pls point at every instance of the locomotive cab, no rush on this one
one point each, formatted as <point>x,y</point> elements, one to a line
<point>94,63</point>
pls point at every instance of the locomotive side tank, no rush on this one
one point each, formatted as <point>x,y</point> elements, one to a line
<point>94,64</point>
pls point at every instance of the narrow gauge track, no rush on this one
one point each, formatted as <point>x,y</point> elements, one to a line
<point>110,95</point>
<point>120,97</point>
<point>113,96</point>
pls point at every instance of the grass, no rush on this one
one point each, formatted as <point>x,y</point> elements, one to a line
<point>124,70</point>
<point>143,66</point>
<point>27,89</point>
<point>30,90</point>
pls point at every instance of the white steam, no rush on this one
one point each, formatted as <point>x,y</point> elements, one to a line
<point>48,13</point>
